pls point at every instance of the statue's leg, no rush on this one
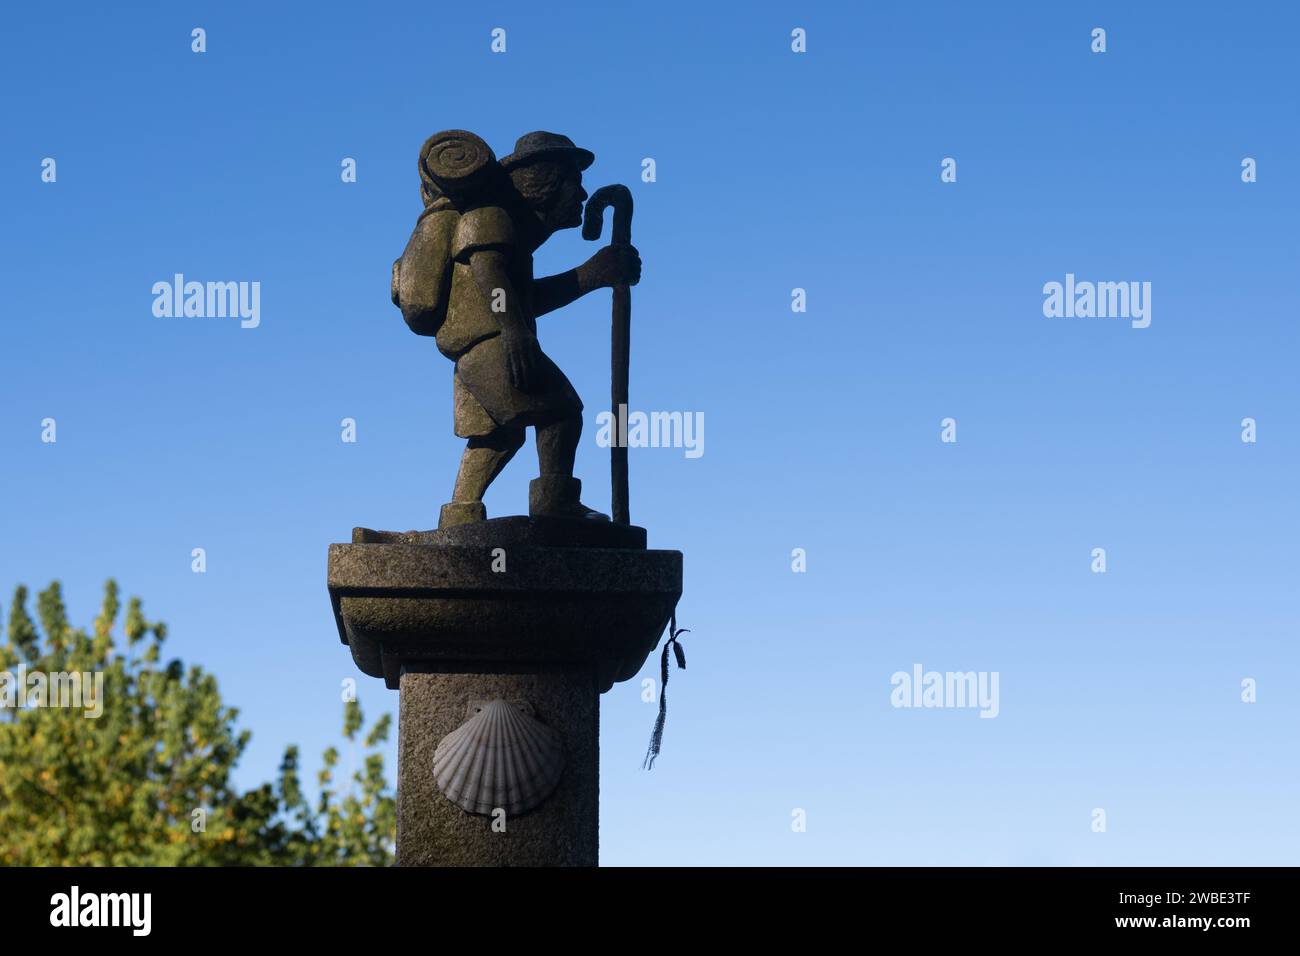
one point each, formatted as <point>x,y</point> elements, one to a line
<point>557,445</point>
<point>482,461</point>
<point>555,491</point>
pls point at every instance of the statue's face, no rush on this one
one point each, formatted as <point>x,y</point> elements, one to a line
<point>554,191</point>
<point>566,209</point>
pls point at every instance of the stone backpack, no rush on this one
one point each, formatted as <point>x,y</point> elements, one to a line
<point>456,168</point>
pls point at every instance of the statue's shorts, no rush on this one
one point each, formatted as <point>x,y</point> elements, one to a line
<point>486,401</point>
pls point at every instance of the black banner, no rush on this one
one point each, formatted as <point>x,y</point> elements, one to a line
<point>218,906</point>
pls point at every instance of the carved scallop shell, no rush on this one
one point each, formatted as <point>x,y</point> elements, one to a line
<point>500,757</point>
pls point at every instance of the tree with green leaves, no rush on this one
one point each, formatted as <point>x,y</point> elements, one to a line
<point>146,781</point>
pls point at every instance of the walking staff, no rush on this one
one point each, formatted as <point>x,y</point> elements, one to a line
<point>620,198</point>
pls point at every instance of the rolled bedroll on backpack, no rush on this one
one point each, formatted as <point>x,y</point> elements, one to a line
<point>457,164</point>
<point>457,171</point>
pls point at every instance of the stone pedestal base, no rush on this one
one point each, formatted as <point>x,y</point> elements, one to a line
<point>563,831</point>
<point>546,613</point>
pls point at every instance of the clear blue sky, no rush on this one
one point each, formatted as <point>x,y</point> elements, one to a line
<point>775,171</point>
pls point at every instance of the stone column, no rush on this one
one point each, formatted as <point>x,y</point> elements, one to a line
<point>433,831</point>
<point>542,613</point>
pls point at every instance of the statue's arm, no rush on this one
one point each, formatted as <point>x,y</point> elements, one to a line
<point>610,266</point>
<point>490,274</point>
<point>523,355</point>
<point>555,292</point>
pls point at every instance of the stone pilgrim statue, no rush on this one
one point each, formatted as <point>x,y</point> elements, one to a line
<point>500,663</point>
<point>466,279</point>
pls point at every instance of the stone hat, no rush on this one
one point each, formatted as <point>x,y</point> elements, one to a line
<point>543,145</point>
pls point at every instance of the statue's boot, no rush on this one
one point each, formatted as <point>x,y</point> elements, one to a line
<point>461,512</point>
<point>556,496</point>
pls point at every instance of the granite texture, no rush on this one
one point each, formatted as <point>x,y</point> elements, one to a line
<point>545,612</point>
<point>563,831</point>
<point>517,530</point>
<point>401,599</point>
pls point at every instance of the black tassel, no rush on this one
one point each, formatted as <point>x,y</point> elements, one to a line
<point>657,737</point>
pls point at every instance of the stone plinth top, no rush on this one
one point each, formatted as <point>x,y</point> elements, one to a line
<point>501,595</point>
<point>517,530</point>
